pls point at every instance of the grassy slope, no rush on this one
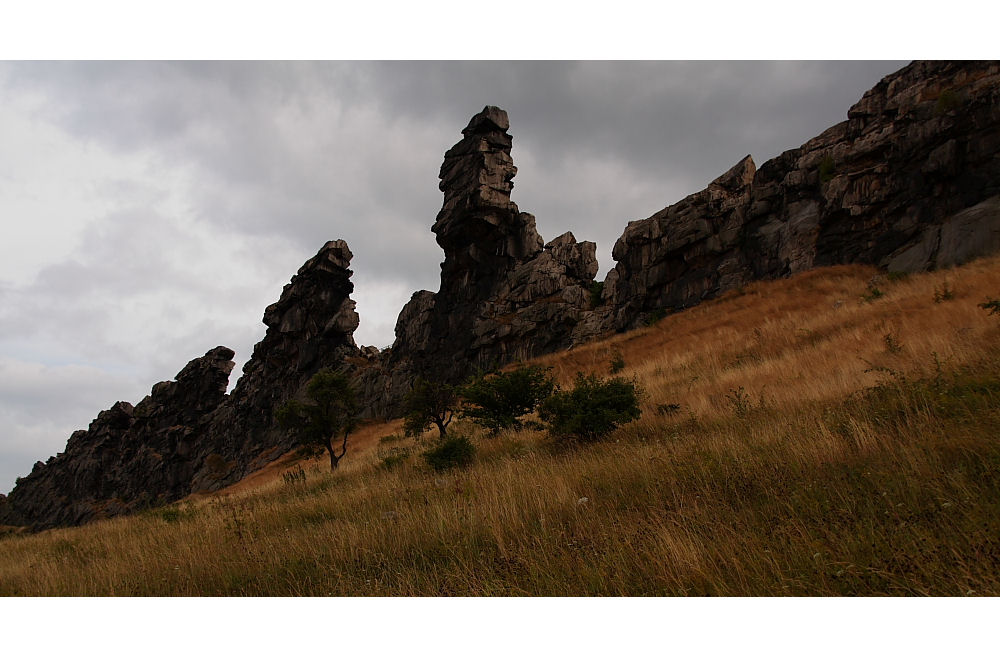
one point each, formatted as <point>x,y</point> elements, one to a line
<point>823,445</point>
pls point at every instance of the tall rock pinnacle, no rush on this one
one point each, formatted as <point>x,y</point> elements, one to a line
<point>479,227</point>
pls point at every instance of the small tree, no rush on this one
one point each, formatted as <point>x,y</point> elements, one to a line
<point>429,403</point>
<point>330,417</point>
<point>497,400</point>
<point>593,408</point>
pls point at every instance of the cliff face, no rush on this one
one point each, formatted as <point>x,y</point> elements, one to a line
<point>188,435</point>
<point>130,456</point>
<point>504,296</point>
<point>910,181</point>
<point>309,328</point>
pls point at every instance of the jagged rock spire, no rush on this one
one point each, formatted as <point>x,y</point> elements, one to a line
<point>479,227</point>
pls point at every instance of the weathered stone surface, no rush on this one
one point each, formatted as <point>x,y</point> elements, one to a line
<point>129,457</point>
<point>310,327</point>
<point>504,295</point>
<point>188,435</point>
<point>909,182</point>
<point>684,253</point>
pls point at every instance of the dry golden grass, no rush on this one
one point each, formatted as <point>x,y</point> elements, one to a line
<point>821,445</point>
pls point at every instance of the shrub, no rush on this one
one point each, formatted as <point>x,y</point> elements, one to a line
<point>393,457</point>
<point>897,276</point>
<point>740,402</point>
<point>617,362</point>
<point>944,293</point>
<point>498,400</point>
<point>948,100</point>
<point>655,316</point>
<point>592,409</point>
<point>874,292</point>
<point>450,452</point>
<point>668,409</point>
<point>427,403</point>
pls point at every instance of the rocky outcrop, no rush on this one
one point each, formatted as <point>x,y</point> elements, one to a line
<point>129,457</point>
<point>683,254</point>
<point>504,296</point>
<point>910,181</point>
<point>188,435</point>
<point>309,328</point>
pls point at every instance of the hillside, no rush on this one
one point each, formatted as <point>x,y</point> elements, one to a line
<point>907,183</point>
<point>834,433</point>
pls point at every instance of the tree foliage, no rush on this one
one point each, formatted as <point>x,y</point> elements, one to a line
<point>328,418</point>
<point>593,408</point>
<point>499,399</point>
<point>429,403</point>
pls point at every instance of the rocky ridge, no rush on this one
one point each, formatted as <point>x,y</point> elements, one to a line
<point>910,181</point>
<point>188,435</point>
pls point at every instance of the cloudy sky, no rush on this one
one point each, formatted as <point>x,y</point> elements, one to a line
<point>151,211</point>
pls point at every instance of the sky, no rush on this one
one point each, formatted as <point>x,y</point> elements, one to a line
<point>152,210</point>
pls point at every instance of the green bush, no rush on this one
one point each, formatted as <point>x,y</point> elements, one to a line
<point>592,409</point>
<point>498,400</point>
<point>948,100</point>
<point>944,293</point>
<point>294,476</point>
<point>874,291</point>
<point>393,457</point>
<point>655,316</point>
<point>450,452</point>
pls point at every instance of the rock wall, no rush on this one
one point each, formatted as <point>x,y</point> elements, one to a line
<point>130,456</point>
<point>188,435</point>
<point>504,296</point>
<point>910,181</point>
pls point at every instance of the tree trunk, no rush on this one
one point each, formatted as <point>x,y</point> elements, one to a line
<point>334,457</point>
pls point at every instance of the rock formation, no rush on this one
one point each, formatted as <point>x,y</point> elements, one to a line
<point>910,181</point>
<point>504,295</point>
<point>309,328</point>
<point>188,435</point>
<point>129,457</point>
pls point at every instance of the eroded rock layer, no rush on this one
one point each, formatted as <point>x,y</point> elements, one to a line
<point>130,456</point>
<point>188,435</point>
<point>505,295</point>
<point>910,181</point>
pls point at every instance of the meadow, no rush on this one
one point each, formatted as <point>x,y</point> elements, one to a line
<point>835,433</point>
